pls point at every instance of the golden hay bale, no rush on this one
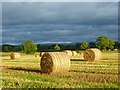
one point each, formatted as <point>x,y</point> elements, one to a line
<point>74,53</point>
<point>37,55</point>
<point>55,62</point>
<point>69,53</point>
<point>41,53</point>
<point>92,54</point>
<point>15,55</point>
<point>79,53</point>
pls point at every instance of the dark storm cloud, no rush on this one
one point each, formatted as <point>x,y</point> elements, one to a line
<point>59,33</point>
<point>59,13</point>
<point>58,22</point>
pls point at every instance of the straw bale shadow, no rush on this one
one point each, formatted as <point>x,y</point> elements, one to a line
<point>24,69</point>
<point>77,60</point>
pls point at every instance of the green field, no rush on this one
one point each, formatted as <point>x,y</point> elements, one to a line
<point>25,73</point>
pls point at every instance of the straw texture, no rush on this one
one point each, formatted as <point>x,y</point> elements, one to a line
<point>15,55</point>
<point>92,54</point>
<point>55,62</point>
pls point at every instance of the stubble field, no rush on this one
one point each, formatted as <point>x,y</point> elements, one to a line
<point>25,73</point>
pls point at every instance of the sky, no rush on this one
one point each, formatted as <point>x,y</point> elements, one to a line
<point>58,22</point>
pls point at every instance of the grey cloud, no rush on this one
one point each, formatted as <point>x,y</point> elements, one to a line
<point>59,13</point>
<point>62,33</point>
<point>58,22</point>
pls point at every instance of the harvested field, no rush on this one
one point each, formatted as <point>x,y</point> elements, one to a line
<point>25,72</point>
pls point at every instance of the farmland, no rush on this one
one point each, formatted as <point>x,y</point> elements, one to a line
<point>25,73</point>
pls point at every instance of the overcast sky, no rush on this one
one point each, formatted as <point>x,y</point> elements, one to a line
<point>56,22</point>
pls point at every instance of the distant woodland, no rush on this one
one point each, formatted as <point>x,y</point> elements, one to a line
<point>102,42</point>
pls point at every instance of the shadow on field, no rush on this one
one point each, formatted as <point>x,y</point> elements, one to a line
<point>25,69</point>
<point>28,70</point>
<point>77,60</point>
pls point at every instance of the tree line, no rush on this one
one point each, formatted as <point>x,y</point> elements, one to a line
<point>29,47</point>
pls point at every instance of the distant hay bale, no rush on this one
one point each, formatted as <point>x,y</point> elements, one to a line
<point>55,62</point>
<point>92,54</point>
<point>41,53</point>
<point>79,53</point>
<point>69,53</point>
<point>37,55</point>
<point>74,53</point>
<point>115,49</point>
<point>15,55</point>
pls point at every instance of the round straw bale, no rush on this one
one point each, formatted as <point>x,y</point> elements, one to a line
<point>79,53</point>
<point>92,54</point>
<point>74,53</point>
<point>41,53</point>
<point>15,55</point>
<point>37,55</point>
<point>55,62</point>
<point>69,53</point>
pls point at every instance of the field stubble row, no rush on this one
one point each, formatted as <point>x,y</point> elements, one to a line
<point>25,73</point>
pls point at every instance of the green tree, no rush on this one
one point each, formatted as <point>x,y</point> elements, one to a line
<point>84,45</point>
<point>92,44</point>
<point>102,42</point>
<point>56,47</point>
<point>5,49</point>
<point>111,44</point>
<point>29,47</point>
<point>117,45</point>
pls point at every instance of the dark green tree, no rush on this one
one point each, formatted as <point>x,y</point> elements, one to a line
<point>84,45</point>
<point>92,44</point>
<point>5,49</point>
<point>0,48</point>
<point>56,47</point>
<point>29,47</point>
<point>111,44</point>
<point>102,42</point>
<point>8,48</point>
<point>117,45</point>
<point>78,46</point>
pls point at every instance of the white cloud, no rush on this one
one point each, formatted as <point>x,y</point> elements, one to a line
<point>52,42</point>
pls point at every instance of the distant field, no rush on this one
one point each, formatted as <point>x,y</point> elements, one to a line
<point>25,73</point>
